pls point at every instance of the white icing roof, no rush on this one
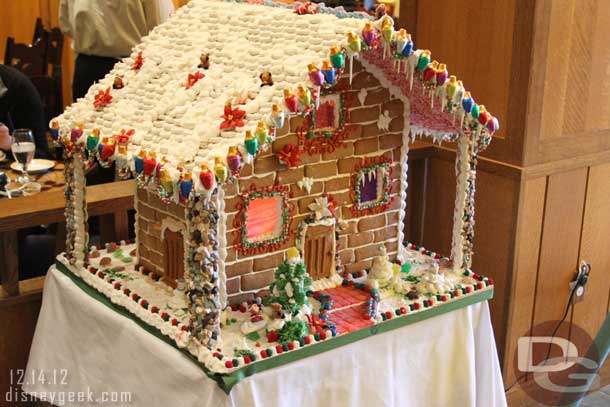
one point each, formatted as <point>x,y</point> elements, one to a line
<point>243,40</point>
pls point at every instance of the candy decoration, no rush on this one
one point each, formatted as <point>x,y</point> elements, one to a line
<point>138,162</point>
<point>400,40</point>
<point>451,87</point>
<point>277,116</point>
<point>467,102</point>
<point>93,139</point>
<point>354,43</point>
<point>233,159</point>
<point>103,98</point>
<point>232,118</point>
<point>337,57</point>
<point>315,75</point>
<point>493,125</point>
<point>290,100</point>
<point>186,186</point>
<point>483,115</point>
<point>166,181</point>
<point>430,71</point>
<point>368,33</point>
<point>303,95</point>
<point>206,176</point>
<point>441,74</point>
<point>76,133</point>
<point>193,78</point>
<point>261,133</point>
<point>107,151</point>
<point>423,61</point>
<point>387,28</point>
<point>251,142</point>
<point>329,72</point>
<point>475,111</point>
<point>138,62</point>
<point>149,164</point>
<point>220,170</point>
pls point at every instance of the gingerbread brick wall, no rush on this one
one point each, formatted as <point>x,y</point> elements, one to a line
<point>150,214</point>
<point>360,242</point>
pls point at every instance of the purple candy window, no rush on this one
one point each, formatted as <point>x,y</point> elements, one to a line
<point>369,187</point>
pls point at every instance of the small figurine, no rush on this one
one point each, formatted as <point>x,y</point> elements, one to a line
<point>380,11</point>
<point>204,61</point>
<point>266,79</point>
<point>118,82</point>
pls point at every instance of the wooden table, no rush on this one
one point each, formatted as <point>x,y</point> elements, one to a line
<point>112,200</point>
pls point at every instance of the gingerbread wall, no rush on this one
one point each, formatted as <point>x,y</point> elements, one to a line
<point>151,212</point>
<point>360,241</point>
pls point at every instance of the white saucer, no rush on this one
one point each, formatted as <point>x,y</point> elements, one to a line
<point>37,166</point>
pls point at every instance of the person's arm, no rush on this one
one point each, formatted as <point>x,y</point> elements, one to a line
<point>152,13</point>
<point>5,138</point>
<point>65,18</point>
<point>28,113</point>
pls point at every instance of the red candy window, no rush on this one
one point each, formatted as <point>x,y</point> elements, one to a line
<point>264,219</point>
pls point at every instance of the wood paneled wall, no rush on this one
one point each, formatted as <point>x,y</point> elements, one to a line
<point>542,201</point>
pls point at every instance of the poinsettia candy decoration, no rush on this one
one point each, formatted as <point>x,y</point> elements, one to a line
<point>207,178</point>
<point>291,100</point>
<point>233,117</point>
<point>102,98</point>
<point>138,62</point>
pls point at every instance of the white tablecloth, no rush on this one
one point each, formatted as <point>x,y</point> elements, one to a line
<point>448,360</point>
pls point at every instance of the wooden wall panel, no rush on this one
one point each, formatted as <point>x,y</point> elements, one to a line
<point>478,53</point>
<point>590,313</point>
<point>569,103</point>
<point>563,214</point>
<point>525,266</point>
<point>440,199</point>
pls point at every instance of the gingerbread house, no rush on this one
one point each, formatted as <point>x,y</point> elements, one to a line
<point>252,128</point>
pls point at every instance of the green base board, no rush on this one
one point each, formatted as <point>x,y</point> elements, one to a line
<point>227,381</point>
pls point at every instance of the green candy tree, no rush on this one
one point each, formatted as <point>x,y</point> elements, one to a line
<point>290,286</point>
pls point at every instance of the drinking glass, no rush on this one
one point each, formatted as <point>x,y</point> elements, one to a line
<point>23,149</point>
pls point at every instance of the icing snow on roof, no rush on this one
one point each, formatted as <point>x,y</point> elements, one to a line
<point>243,40</point>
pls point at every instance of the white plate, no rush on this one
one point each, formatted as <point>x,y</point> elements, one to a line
<point>37,166</point>
<point>2,156</point>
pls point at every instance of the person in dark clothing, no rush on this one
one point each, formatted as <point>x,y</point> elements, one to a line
<point>21,108</point>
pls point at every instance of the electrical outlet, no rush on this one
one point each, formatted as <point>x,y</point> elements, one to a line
<point>580,281</point>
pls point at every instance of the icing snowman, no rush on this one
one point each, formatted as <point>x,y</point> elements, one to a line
<point>382,271</point>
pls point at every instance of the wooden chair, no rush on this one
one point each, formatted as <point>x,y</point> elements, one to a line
<point>29,59</point>
<point>50,92</point>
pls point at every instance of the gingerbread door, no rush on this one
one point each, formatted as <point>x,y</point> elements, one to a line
<point>320,251</point>
<point>173,257</point>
